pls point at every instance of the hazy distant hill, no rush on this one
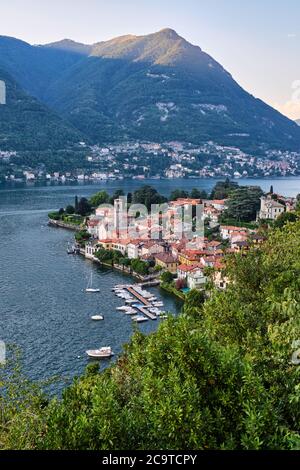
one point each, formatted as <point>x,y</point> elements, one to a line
<point>157,87</point>
<point>67,45</point>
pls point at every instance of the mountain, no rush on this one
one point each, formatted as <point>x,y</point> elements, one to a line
<point>157,87</point>
<point>34,67</point>
<point>24,121</point>
<point>31,128</point>
<point>68,45</point>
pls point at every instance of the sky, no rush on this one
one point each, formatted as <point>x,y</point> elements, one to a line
<point>257,41</point>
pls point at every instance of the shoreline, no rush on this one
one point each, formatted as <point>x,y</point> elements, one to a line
<point>60,224</point>
<point>152,281</point>
<point>145,281</point>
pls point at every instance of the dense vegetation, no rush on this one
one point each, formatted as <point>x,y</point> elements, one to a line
<point>28,126</point>
<point>223,375</point>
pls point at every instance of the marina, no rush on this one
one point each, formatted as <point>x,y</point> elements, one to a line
<point>138,299</point>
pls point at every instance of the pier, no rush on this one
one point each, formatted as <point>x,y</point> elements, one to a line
<point>144,301</point>
<point>147,313</point>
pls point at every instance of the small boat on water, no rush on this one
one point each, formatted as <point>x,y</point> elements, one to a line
<point>97,317</point>
<point>71,249</point>
<point>158,304</point>
<point>139,319</point>
<point>101,353</point>
<point>130,311</point>
<point>155,310</point>
<point>123,308</point>
<point>90,285</point>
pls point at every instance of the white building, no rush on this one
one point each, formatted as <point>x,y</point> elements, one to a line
<point>133,249</point>
<point>196,279</point>
<point>270,208</point>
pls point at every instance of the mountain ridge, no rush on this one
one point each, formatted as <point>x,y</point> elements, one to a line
<point>155,87</point>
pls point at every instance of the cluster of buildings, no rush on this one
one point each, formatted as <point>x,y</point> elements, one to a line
<point>162,240</point>
<point>182,160</point>
<point>165,160</point>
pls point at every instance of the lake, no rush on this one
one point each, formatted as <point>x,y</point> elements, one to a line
<point>44,309</point>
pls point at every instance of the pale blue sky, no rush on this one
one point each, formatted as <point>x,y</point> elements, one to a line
<point>257,41</point>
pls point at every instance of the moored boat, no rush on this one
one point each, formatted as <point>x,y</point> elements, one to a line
<point>90,285</point>
<point>101,353</point>
<point>139,319</point>
<point>97,317</point>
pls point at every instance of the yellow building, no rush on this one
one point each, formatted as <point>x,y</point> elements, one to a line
<point>167,262</point>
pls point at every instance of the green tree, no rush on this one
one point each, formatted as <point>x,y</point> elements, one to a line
<point>147,195</point>
<point>140,267</point>
<point>167,277</point>
<point>194,303</point>
<point>198,194</point>
<point>243,204</point>
<point>84,207</point>
<point>70,210</point>
<point>125,261</point>
<point>178,194</point>
<point>82,236</point>
<point>284,218</point>
<point>105,255</point>
<point>222,189</point>
<point>99,198</point>
<point>76,205</point>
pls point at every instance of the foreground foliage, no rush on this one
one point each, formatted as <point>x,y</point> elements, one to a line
<point>220,376</point>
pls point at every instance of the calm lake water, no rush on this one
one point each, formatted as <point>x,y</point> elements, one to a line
<point>43,307</point>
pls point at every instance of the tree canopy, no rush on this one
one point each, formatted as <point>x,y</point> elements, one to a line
<point>219,376</point>
<point>99,198</point>
<point>148,195</point>
<point>222,189</point>
<point>243,204</point>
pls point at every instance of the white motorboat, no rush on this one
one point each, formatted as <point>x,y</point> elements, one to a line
<point>130,311</point>
<point>123,308</point>
<point>90,285</point>
<point>139,319</point>
<point>97,317</point>
<point>158,304</point>
<point>155,310</point>
<point>101,353</point>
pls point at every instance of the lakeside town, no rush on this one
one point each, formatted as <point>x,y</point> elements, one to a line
<point>164,248</point>
<point>143,160</point>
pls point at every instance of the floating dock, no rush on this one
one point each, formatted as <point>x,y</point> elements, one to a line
<point>143,301</point>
